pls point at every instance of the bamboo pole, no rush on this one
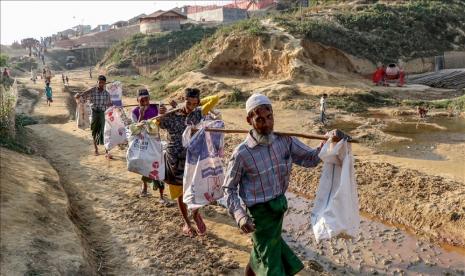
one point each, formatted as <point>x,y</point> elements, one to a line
<point>307,136</point>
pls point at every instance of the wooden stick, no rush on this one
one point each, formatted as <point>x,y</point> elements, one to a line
<point>308,136</point>
<point>166,113</point>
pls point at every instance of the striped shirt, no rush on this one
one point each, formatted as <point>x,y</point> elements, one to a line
<point>259,173</point>
<point>99,100</point>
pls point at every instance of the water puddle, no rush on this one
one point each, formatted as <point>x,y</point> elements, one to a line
<point>379,248</point>
<point>421,135</point>
<point>424,136</point>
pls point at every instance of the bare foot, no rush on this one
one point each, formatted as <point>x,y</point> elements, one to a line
<point>188,231</point>
<point>202,228</point>
<point>108,156</point>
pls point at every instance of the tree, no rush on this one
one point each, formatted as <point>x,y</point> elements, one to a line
<point>28,43</point>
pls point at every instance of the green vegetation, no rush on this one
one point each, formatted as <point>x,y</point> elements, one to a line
<point>247,26</point>
<point>236,99</point>
<point>3,60</point>
<point>193,46</point>
<point>19,142</point>
<point>196,57</point>
<point>147,49</point>
<point>457,104</point>
<point>13,133</point>
<point>386,32</point>
<point>360,102</point>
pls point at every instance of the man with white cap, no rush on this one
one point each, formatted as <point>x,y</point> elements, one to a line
<point>258,173</point>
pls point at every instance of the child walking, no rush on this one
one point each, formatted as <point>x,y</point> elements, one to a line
<point>48,93</point>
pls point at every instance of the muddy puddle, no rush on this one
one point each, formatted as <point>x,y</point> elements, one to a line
<point>379,248</point>
<point>420,137</point>
<point>424,136</point>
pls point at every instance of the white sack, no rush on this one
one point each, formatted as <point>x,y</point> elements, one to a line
<point>115,129</point>
<point>83,115</point>
<point>145,156</point>
<point>204,172</point>
<point>336,208</point>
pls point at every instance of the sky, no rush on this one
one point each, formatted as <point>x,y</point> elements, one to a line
<point>22,19</point>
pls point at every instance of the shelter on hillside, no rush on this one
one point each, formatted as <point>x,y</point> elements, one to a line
<point>161,21</point>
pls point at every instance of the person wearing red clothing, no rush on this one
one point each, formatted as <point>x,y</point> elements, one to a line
<point>379,75</point>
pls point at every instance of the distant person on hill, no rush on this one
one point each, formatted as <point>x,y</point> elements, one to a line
<point>379,75</point>
<point>90,72</point>
<point>67,80</point>
<point>63,78</point>
<point>48,93</point>
<point>143,112</point>
<point>100,100</point>
<point>323,109</point>
<point>43,73</point>
<point>5,73</point>
<point>422,111</point>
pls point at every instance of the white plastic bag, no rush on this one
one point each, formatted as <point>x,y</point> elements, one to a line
<point>336,208</point>
<point>115,130</point>
<point>204,173</point>
<point>115,89</point>
<point>83,115</point>
<point>145,155</point>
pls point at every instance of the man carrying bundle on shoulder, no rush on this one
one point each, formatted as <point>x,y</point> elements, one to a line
<point>258,173</point>
<point>175,123</point>
<point>99,100</point>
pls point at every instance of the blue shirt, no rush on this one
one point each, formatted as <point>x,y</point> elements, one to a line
<point>48,91</point>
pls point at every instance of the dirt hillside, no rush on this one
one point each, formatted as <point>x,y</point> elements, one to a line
<point>38,237</point>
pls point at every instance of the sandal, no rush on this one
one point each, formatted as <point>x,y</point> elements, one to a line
<point>201,227</point>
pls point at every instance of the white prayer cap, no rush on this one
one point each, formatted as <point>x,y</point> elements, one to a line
<point>256,100</point>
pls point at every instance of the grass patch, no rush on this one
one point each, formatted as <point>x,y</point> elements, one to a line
<point>19,142</point>
<point>236,99</point>
<point>386,32</point>
<point>144,49</point>
<point>360,102</point>
<point>457,104</point>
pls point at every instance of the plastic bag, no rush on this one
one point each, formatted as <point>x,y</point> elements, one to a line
<point>115,89</point>
<point>145,155</point>
<point>83,115</point>
<point>204,173</point>
<point>115,129</point>
<point>336,209</point>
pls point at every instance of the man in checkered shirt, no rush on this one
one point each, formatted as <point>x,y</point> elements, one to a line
<point>99,100</point>
<point>258,173</point>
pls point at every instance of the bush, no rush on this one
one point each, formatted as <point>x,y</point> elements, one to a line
<point>357,103</point>
<point>3,60</point>
<point>457,104</point>
<point>387,32</point>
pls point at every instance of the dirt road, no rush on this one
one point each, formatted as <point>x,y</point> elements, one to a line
<point>127,235</point>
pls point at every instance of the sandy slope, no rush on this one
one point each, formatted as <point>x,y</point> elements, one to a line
<point>37,236</point>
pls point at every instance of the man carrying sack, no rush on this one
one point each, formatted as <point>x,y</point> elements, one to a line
<point>99,100</point>
<point>258,173</point>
